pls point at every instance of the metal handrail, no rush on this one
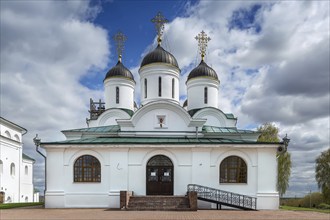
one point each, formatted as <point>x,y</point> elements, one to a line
<point>223,197</point>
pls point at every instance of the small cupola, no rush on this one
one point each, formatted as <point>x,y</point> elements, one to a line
<point>159,71</point>
<point>119,71</point>
<point>203,70</point>
<point>119,83</point>
<point>159,55</point>
<point>202,82</point>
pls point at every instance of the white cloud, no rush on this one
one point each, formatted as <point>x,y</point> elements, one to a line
<point>46,47</point>
<point>279,74</point>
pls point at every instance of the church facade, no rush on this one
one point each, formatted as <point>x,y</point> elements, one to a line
<point>161,146</point>
<point>16,168</point>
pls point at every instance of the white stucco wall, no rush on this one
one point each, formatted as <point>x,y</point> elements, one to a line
<point>215,117</point>
<point>10,153</point>
<point>124,168</point>
<point>26,180</point>
<point>152,72</point>
<point>195,93</point>
<point>172,122</point>
<point>126,93</point>
<point>17,186</point>
<point>109,117</point>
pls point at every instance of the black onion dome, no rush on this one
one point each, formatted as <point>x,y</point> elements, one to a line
<point>203,70</point>
<point>119,71</point>
<point>159,55</point>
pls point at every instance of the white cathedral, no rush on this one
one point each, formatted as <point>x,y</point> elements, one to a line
<point>161,148</point>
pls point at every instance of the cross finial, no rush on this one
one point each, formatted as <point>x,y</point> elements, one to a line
<point>119,38</point>
<point>202,39</point>
<point>159,21</point>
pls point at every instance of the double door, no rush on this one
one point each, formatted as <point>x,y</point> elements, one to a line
<point>159,180</point>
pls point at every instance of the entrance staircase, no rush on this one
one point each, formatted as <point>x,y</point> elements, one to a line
<point>221,197</point>
<point>159,203</point>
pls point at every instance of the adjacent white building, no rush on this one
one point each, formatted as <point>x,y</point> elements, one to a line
<point>159,147</point>
<point>16,168</point>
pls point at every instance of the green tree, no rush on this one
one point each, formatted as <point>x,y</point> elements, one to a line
<point>269,133</point>
<point>322,174</point>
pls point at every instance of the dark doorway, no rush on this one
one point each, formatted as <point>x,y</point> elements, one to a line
<point>159,176</point>
<point>2,197</point>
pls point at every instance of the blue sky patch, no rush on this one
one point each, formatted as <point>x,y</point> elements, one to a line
<point>133,18</point>
<point>93,79</point>
<point>245,19</point>
<point>251,72</point>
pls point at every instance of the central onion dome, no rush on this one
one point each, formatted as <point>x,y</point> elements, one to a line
<point>119,71</point>
<point>203,70</point>
<point>159,55</point>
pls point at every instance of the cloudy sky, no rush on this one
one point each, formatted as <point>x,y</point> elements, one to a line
<point>272,58</point>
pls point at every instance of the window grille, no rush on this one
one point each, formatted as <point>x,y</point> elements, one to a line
<point>87,169</point>
<point>233,169</point>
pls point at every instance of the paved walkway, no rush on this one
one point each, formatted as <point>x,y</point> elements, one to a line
<point>59,214</point>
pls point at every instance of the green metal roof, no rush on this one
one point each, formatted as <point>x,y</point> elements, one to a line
<point>128,111</point>
<point>192,112</point>
<point>232,130</point>
<point>102,129</point>
<point>26,157</point>
<point>152,140</point>
<point>230,116</point>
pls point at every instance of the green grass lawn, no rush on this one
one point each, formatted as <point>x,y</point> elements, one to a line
<point>292,208</point>
<point>17,205</point>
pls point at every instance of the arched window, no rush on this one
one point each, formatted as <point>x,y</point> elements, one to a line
<point>26,170</point>
<point>87,169</point>
<point>233,169</point>
<point>145,88</point>
<point>16,137</point>
<point>205,95</point>
<point>8,199</point>
<point>1,166</point>
<point>160,86</point>
<point>173,84</point>
<point>12,169</point>
<point>7,134</point>
<point>117,95</point>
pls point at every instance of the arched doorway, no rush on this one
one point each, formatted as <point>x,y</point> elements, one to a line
<point>159,176</point>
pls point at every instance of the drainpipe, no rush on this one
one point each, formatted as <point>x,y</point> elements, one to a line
<point>37,141</point>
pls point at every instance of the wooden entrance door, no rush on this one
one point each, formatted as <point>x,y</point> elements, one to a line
<point>159,176</point>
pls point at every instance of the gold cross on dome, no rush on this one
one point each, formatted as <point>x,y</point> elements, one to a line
<point>119,38</point>
<point>159,21</point>
<point>202,39</point>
